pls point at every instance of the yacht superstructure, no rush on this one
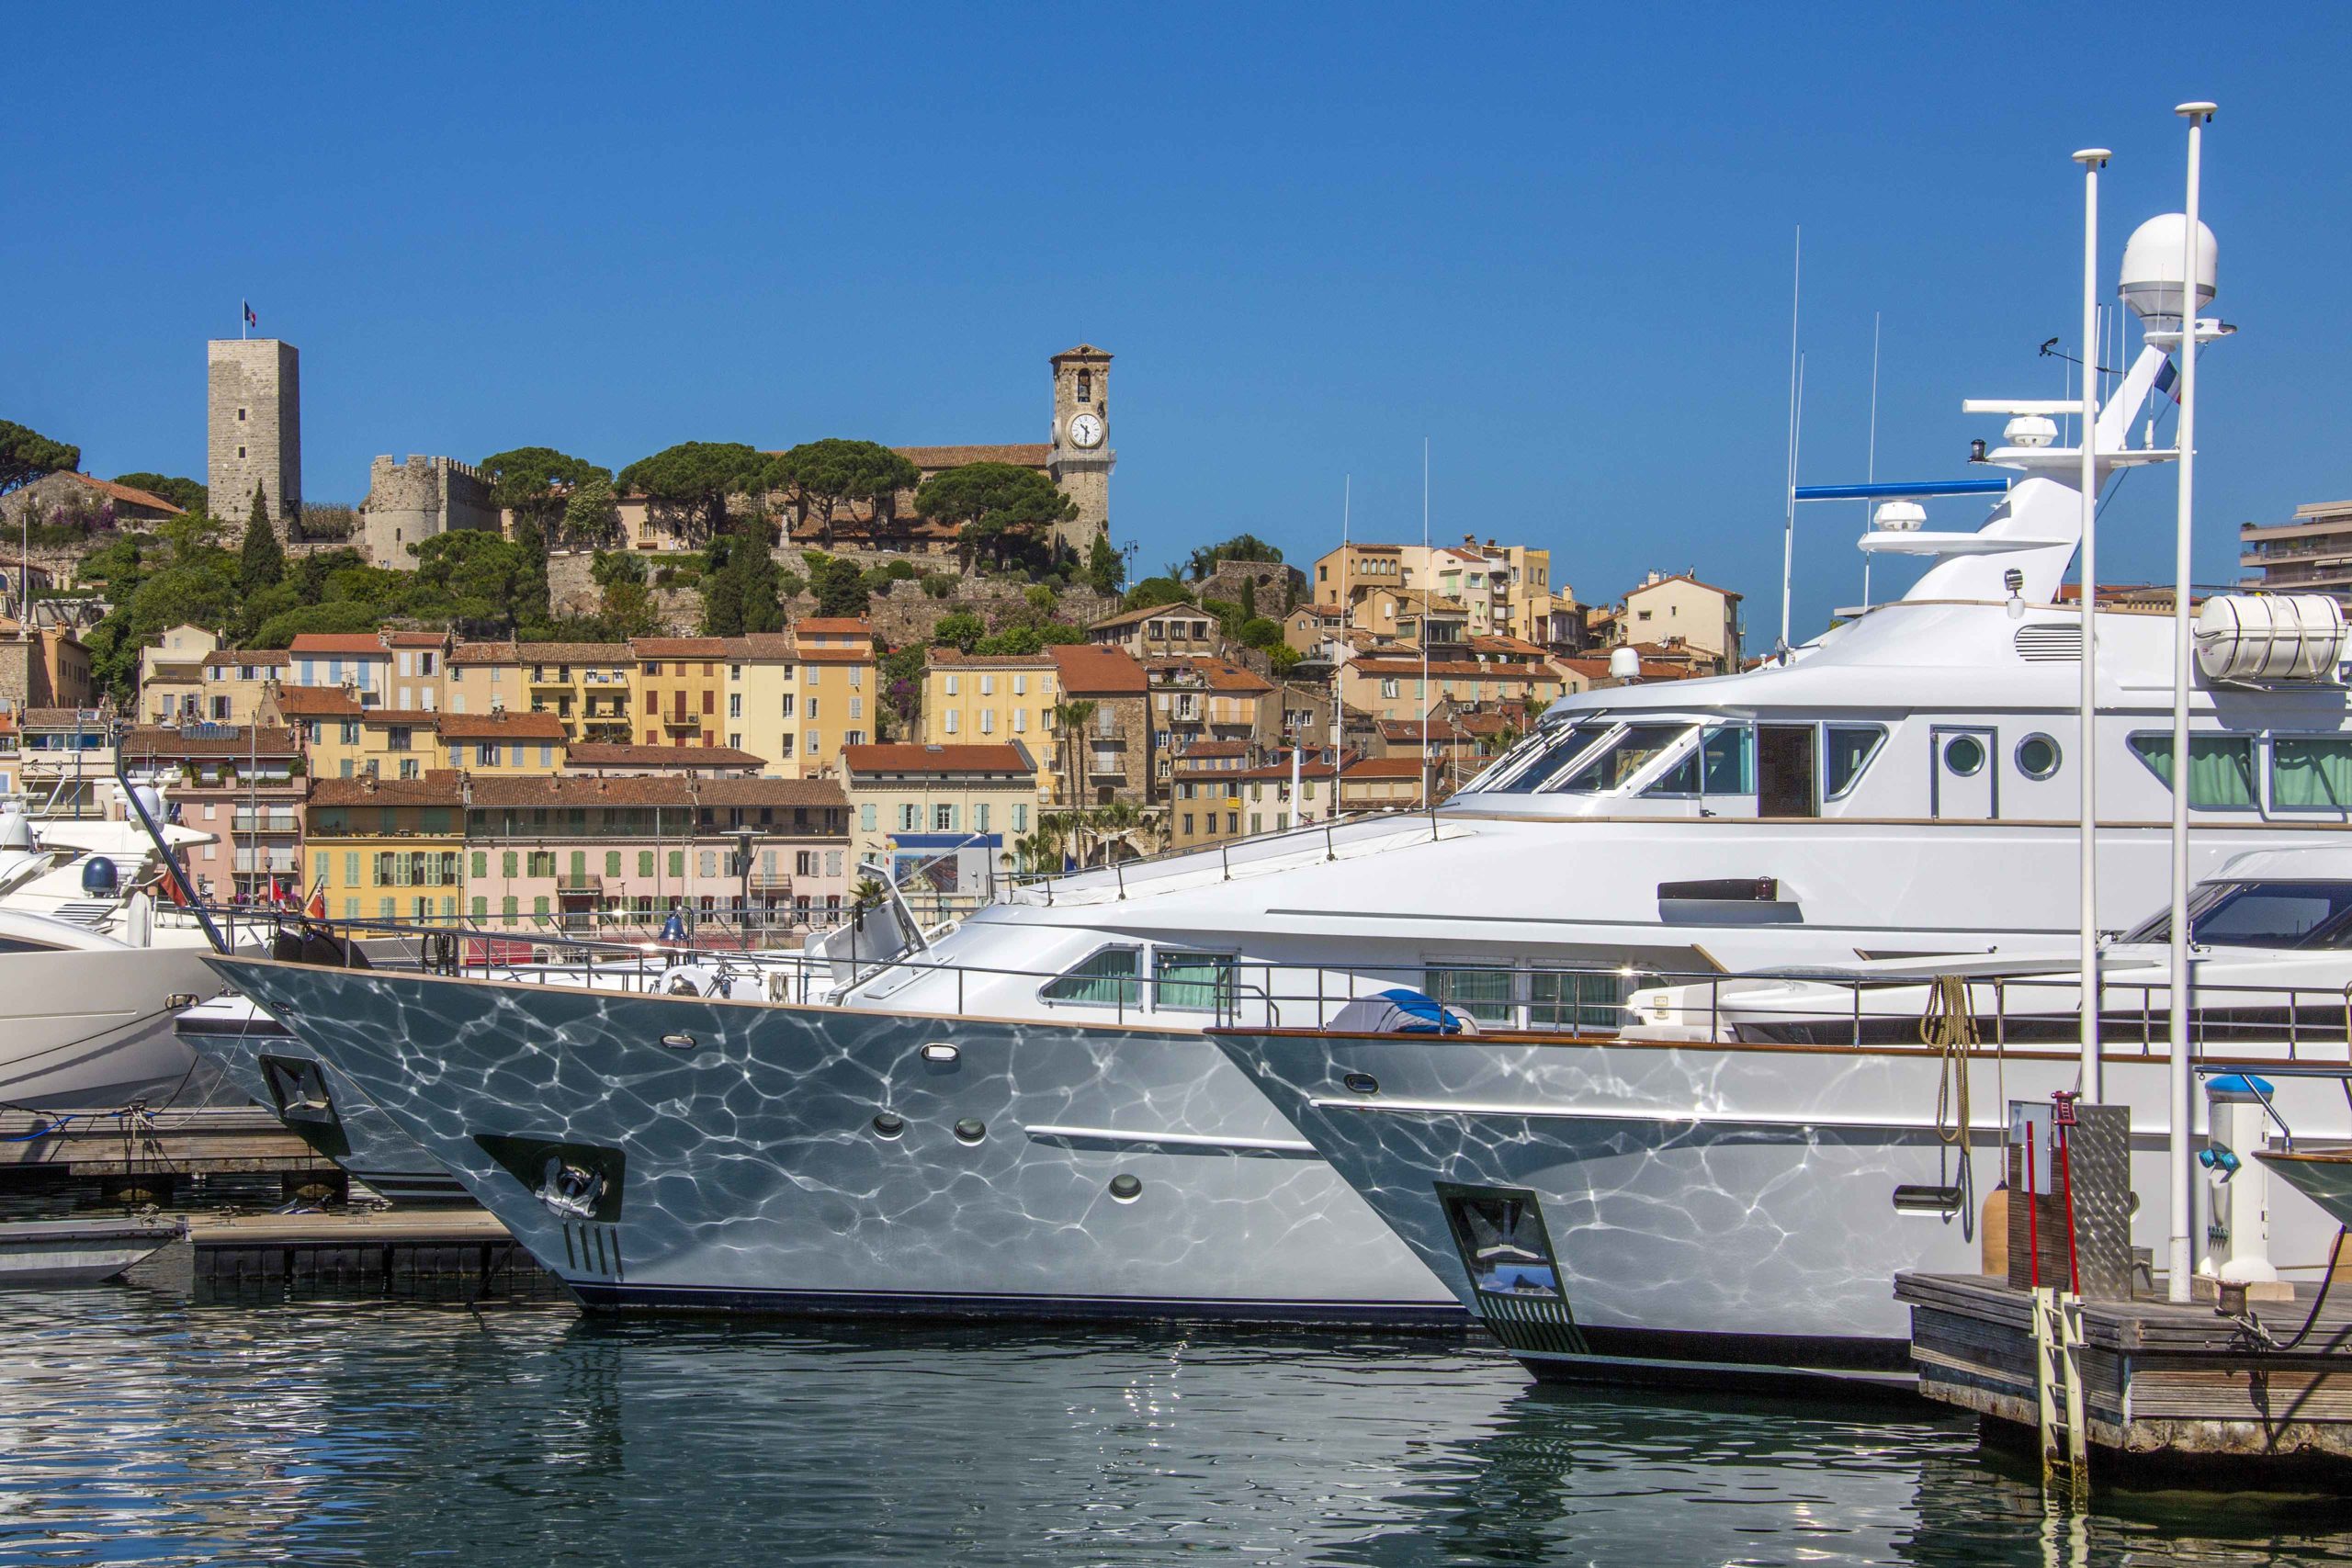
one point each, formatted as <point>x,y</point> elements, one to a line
<point>1027,1113</point>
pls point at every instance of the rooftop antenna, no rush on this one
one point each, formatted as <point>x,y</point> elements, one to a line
<point>2092,1084</point>
<point>1796,375</point>
<point>2184,1190</point>
<point>1347,499</point>
<point>1424,638</point>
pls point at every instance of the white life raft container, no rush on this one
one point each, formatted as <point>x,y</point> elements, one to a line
<point>2269,636</point>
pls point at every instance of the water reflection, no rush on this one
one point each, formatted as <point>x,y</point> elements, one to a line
<point>133,1426</point>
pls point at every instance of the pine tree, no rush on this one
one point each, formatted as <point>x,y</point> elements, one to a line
<point>1104,568</point>
<point>263,561</point>
<point>1248,599</point>
<point>531,609</point>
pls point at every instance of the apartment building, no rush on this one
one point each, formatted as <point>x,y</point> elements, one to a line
<point>356,661</point>
<point>1110,755</point>
<point>1205,699</point>
<point>584,686</point>
<point>237,679</point>
<point>245,786</point>
<point>1679,608</point>
<point>385,849</point>
<point>840,685</point>
<point>1391,687</point>
<point>419,669</point>
<point>1160,632</point>
<point>679,683</point>
<point>990,699</point>
<point>941,817</point>
<point>171,676</point>
<point>65,760</point>
<point>2309,553</point>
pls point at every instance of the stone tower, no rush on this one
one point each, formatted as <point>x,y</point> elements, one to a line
<point>1082,458</point>
<point>252,427</point>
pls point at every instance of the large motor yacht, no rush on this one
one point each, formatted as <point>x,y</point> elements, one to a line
<point>1027,1113</point>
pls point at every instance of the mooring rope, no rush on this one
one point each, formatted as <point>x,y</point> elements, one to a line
<point>1949,1025</point>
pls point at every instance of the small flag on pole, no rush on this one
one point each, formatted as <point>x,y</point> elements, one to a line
<point>251,320</point>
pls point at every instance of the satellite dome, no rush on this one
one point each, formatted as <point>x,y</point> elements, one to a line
<point>2151,282</point>
<point>2031,429</point>
<point>1899,517</point>
<point>1625,665</point>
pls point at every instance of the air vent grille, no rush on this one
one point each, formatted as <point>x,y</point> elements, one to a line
<point>2050,645</point>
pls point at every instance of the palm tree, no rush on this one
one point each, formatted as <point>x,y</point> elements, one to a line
<point>1069,719</point>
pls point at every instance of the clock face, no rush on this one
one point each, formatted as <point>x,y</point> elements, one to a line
<point>1086,430</point>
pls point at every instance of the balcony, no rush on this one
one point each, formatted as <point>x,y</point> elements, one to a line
<point>591,882</point>
<point>775,882</point>
<point>275,862</point>
<point>266,822</point>
<point>674,719</point>
<point>555,677</point>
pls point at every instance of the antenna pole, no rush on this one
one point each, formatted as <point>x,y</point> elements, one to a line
<point>1425,623</point>
<point>1347,498</point>
<point>2092,1082</point>
<point>2184,1185</point>
<point>1789,530</point>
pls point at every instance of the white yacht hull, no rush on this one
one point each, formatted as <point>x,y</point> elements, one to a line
<point>93,1029</point>
<point>1706,1207</point>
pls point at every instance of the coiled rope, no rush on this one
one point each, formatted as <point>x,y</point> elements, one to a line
<point>1949,1025</point>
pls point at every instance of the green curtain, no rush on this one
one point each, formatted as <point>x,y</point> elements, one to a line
<point>1200,982</point>
<point>1484,994</point>
<point>1107,978</point>
<point>2307,773</point>
<point>2221,768</point>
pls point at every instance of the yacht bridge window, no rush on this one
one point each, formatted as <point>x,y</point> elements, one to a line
<point>1109,977</point>
<point>1723,762</point>
<point>1561,747</point>
<point>2308,915</point>
<point>1634,749</point>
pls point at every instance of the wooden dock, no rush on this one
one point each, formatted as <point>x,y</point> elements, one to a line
<point>146,1154</point>
<point>2159,1382</point>
<point>434,1255</point>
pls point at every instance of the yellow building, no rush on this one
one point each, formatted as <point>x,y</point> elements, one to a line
<point>840,684</point>
<point>1389,685</point>
<point>589,686</point>
<point>501,745</point>
<point>764,700</point>
<point>680,683</point>
<point>236,680</point>
<point>419,672</point>
<point>484,677</point>
<point>171,674</point>
<point>378,848</point>
<point>346,740</point>
<point>982,700</point>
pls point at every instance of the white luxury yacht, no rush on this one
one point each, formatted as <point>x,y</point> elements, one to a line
<point>92,969</point>
<point>1026,1112</point>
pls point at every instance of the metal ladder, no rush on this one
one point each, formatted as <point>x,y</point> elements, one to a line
<point>2058,1386</point>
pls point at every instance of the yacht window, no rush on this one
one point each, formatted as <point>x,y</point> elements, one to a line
<point>1109,977</point>
<point>1964,754</point>
<point>1849,749</point>
<point>1576,999</point>
<point>18,944</point>
<point>1784,771</point>
<point>2262,914</point>
<point>2311,773</point>
<point>2037,756</point>
<point>1192,982</point>
<point>1502,766</point>
<point>1633,752</point>
<point>1500,1233</point>
<point>1566,745</point>
<point>1484,994</point>
<point>2221,768</point>
<point>1722,763</point>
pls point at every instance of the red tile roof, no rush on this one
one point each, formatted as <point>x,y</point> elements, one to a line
<point>1220,675</point>
<point>836,655</point>
<point>316,702</point>
<point>486,653</point>
<point>501,726</point>
<point>761,645</point>
<point>769,792</point>
<point>1204,749</point>
<point>910,759</point>
<point>439,786</point>
<point>1681,577</point>
<point>609,755</point>
<point>834,626</point>
<point>1021,455</point>
<point>157,741</point>
<point>339,642</point>
<point>1452,669</point>
<point>414,639</point>
<point>255,656</point>
<point>129,494</point>
<point>1090,671</point>
<point>678,647</point>
<point>572,653</point>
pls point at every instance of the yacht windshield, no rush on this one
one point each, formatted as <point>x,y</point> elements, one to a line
<point>1566,747</point>
<point>1633,752</point>
<point>2261,914</point>
<point>1502,767</point>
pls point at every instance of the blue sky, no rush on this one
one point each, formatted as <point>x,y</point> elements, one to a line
<point>1555,241</point>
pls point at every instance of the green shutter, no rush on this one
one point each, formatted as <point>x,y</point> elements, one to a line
<point>645,863</point>
<point>481,862</point>
<point>677,863</point>
<point>612,862</point>
<point>506,863</point>
<point>482,908</point>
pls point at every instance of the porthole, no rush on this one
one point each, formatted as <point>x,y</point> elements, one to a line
<point>1362,1083</point>
<point>2037,756</point>
<point>971,1130</point>
<point>1126,1188</point>
<point>1964,754</point>
<point>889,1126</point>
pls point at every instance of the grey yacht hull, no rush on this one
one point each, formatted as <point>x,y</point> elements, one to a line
<point>264,1060</point>
<point>687,1153</point>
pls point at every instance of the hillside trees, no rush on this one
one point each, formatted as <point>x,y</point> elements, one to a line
<point>537,482</point>
<point>28,455</point>
<point>689,484</point>
<point>822,473</point>
<point>999,510</point>
<point>186,494</point>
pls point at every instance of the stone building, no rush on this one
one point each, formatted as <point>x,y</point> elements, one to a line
<point>411,501</point>
<point>252,427</point>
<point>1109,759</point>
<point>1082,458</point>
<point>93,502</point>
<point>43,668</point>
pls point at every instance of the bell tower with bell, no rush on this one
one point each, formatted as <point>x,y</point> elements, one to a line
<point>1082,458</point>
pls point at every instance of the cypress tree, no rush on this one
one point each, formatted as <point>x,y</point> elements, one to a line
<point>261,563</point>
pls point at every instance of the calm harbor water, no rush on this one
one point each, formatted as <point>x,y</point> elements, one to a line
<point>137,1429</point>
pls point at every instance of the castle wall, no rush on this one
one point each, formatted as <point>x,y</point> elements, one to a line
<point>411,501</point>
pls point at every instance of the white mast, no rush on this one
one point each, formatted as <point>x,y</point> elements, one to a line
<point>2092,159</point>
<point>2184,1187</point>
<point>1789,530</point>
<point>1426,571</point>
<point>1869,465</point>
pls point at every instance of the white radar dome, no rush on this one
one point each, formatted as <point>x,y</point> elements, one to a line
<point>2031,429</point>
<point>1625,665</point>
<point>1899,517</point>
<point>2151,259</point>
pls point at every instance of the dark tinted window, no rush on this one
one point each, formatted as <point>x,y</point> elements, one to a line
<point>2262,914</point>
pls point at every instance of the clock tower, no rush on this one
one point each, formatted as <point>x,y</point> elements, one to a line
<point>1082,458</point>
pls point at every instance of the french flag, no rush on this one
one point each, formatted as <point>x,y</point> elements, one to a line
<point>251,320</point>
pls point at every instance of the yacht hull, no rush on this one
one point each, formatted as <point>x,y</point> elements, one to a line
<point>325,1110</point>
<point>687,1153</point>
<point>92,1029</point>
<point>1699,1211</point>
